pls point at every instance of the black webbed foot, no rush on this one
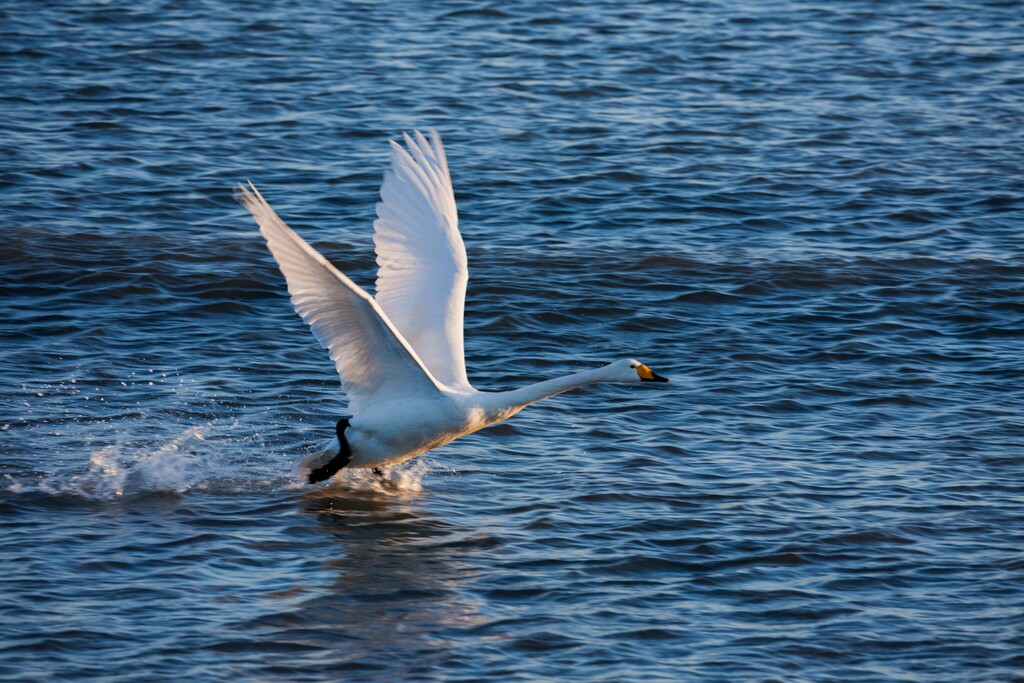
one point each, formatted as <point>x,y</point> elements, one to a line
<point>325,472</point>
<point>344,456</point>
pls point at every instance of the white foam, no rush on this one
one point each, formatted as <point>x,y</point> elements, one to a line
<point>406,478</point>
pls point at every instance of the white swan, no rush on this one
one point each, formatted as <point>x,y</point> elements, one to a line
<point>400,353</point>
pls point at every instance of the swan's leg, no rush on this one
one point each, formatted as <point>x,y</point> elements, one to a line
<point>343,457</point>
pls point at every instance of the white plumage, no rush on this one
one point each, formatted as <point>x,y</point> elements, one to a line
<point>421,284</point>
<point>400,355</point>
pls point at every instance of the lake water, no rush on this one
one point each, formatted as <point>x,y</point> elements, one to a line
<point>807,214</point>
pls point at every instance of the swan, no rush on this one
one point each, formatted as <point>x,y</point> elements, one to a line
<point>400,353</point>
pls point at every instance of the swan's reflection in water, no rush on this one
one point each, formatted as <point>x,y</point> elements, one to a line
<point>395,592</point>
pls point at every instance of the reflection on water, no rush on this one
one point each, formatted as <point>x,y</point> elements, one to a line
<point>397,585</point>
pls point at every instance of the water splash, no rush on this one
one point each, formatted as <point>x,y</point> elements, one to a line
<point>174,467</point>
<point>126,469</point>
<point>406,478</point>
<point>214,457</point>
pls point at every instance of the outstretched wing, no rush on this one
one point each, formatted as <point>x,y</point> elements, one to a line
<point>374,361</point>
<point>421,283</point>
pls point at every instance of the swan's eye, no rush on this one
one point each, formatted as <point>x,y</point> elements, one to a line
<point>633,366</point>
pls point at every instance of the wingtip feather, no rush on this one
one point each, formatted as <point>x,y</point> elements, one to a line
<point>422,141</point>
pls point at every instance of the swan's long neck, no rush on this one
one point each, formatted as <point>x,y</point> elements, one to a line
<point>516,400</point>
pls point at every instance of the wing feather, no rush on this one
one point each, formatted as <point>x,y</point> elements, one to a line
<point>374,361</point>
<point>421,282</point>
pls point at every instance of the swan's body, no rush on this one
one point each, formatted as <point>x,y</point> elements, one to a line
<point>400,354</point>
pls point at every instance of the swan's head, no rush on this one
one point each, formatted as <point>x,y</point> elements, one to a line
<point>632,370</point>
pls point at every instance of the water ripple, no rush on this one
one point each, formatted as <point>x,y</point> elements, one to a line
<point>806,215</point>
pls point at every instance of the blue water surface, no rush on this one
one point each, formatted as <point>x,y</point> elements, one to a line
<point>807,214</point>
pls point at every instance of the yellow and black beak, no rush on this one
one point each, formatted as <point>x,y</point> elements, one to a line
<point>648,375</point>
